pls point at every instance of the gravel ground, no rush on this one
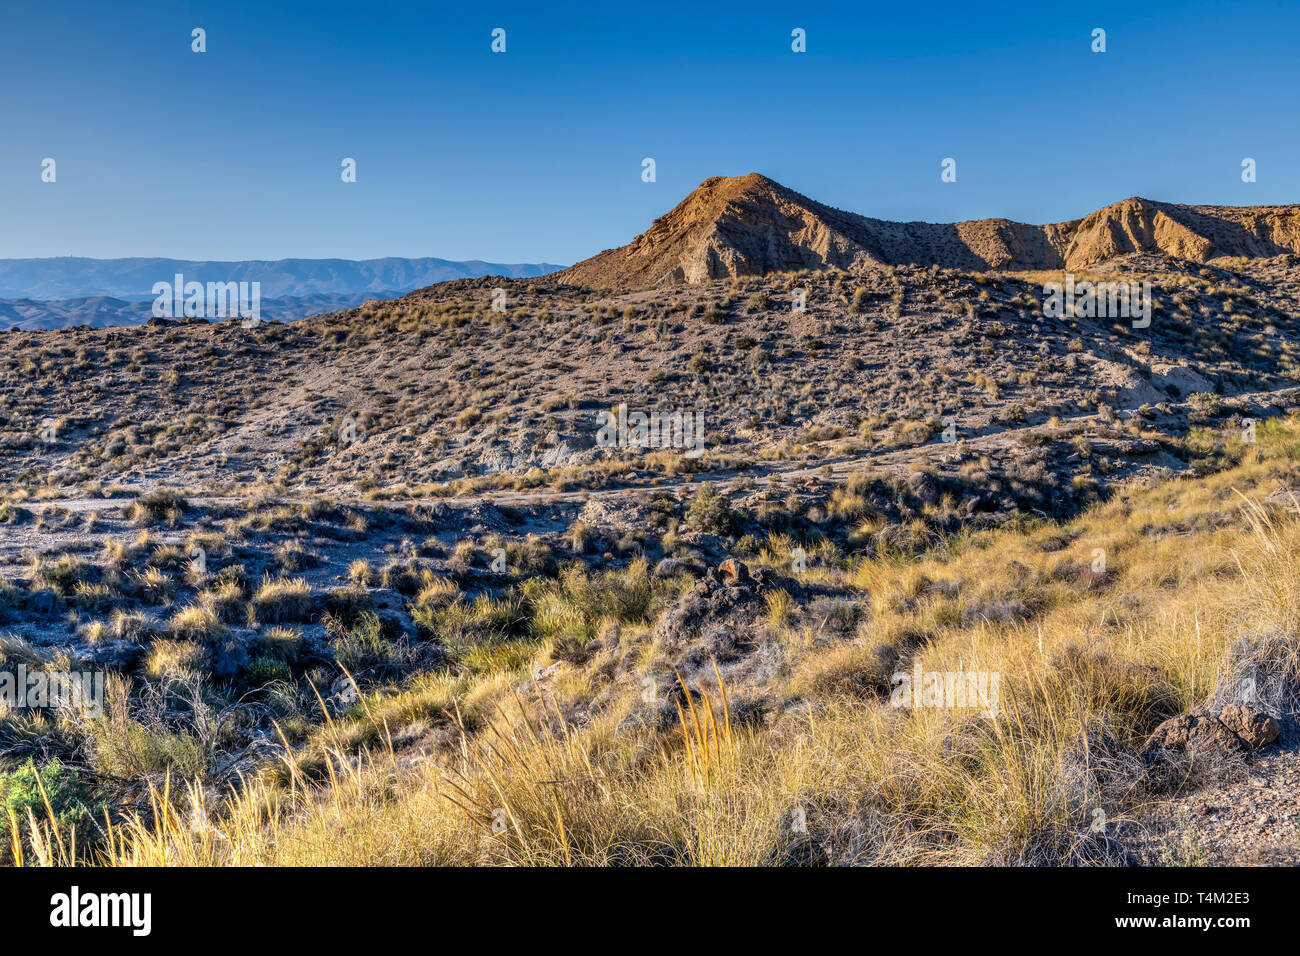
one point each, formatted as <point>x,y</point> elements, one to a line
<point>1252,819</point>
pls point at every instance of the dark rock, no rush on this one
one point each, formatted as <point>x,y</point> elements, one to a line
<point>1235,727</point>
<point>1188,730</point>
<point>922,487</point>
<point>230,657</point>
<point>1252,726</point>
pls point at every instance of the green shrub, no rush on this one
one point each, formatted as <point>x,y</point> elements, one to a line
<point>267,670</point>
<point>20,791</point>
<point>711,512</point>
<point>1278,437</point>
<point>121,746</point>
<point>365,649</point>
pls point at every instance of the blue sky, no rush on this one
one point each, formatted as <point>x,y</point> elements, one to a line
<point>535,154</point>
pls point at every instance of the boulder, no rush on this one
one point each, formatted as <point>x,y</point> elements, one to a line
<point>732,573</point>
<point>1235,727</point>
<point>1191,730</point>
<point>1253,727</point>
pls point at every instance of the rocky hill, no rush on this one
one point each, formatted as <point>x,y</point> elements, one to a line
<point>750,225</point>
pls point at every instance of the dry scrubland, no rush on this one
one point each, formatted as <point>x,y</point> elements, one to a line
<point>556,740</point>
<point>316,655</point>
<point>451,398</point>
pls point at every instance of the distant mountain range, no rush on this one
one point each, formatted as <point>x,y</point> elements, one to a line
<point>102,311</point>
<point>68,291</point>
<point>750,225</point>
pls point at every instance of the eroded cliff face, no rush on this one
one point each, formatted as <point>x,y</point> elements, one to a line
<point>750,225</point>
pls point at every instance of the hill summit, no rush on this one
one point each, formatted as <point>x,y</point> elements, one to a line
<point>751,225</point>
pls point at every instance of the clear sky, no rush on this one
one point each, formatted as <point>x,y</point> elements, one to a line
<point>535,154</point>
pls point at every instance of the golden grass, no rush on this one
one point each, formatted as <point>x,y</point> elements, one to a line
<point>1201,584</point>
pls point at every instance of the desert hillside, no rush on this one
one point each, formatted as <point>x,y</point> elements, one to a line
<point>750,225</point>
<point>378,588</point>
